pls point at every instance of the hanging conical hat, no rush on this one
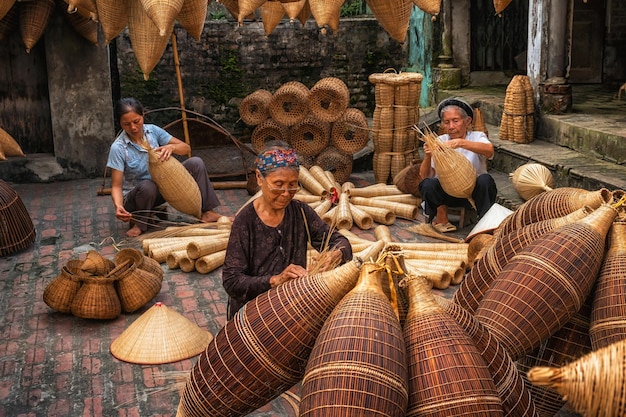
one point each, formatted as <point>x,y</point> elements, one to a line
<point>160,335</point>
<point>490,221</point>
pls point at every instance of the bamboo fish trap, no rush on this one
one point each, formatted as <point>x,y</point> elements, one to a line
<point>358,363</point>
<point>263,350</point>
<point>456,174</point>
<point>60,292</point>
<point>447,374</point>
<point>542,287</point>
<point>530,180</point>
<point>593,384</point>
<point>488,267</point>
<point>17,231</point>
<point>135,286</point>
<point>176,184</point>
<point>254,109</point>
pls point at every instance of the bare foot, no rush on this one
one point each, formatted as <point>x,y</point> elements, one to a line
<point>133,231</point>
<point>210,216</point>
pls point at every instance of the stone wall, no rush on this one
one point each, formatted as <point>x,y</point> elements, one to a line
<point>230,62</point>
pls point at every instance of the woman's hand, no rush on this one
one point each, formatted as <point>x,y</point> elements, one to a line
<point>292,271</point>
<point>455,143</point>
<point>122,214</point>
<point>427,150</point>
<point>165,151</point>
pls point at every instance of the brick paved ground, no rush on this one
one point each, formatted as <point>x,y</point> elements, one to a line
<point>54,364</point>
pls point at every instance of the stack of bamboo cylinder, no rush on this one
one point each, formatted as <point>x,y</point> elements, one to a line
<point>342,206</point>
<point>518,123</point>
<point>197,248</point>
<point>397,109</point>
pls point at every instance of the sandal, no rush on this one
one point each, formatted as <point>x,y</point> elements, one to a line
<point>443,228</point>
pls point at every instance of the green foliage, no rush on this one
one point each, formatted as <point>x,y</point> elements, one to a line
<point>353,8</point>
<point>230,82</point>
<point>217,15</point>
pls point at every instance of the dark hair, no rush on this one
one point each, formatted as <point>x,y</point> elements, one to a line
<point>457,102</point>
<point>127,105</point>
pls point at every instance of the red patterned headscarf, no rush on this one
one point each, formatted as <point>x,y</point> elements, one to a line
<point>273,159</point>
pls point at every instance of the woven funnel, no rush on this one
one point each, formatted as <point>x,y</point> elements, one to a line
<point>608,316</point>
<point>192,17</point>
<point>500,5</point>
<point>542,287</point>
<point>160,335</point>
<point>393,16</point>
<point>530,180</point>
<point>272,13</point>
<point>60,292</point>
<point>361,218</point>
<point>263,350</point>
<point>176,184</point>
<point>487,268</point>
<point>593,384</point>
<point>510,385</point>
<point>343,218</point>
<point>359,357</point>
<point>34,18</point>
<point>253,109</point>
<point>210,262</point>
<point>96,264</point>
<point>329,99</point>
<point>310,183</point>
<point>326,12</point>
<point>145,37</point>
<point>163,13</point>
<point>17,231</point>
<point>247,7</point>
<point>568,344</point>
<point>293,8</point>
<point>447,374</point>
<point>550,204</point>
<point>379,214</point>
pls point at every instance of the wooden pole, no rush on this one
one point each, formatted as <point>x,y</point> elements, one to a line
<point>181,96</point>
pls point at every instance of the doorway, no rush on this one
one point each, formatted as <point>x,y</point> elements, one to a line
<point>587,42</point>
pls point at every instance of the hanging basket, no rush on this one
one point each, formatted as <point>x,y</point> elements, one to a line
<point>34,18</point>
<point>393,16</point>
<point>192,17</point>
<point>145,37</point>
<point>113,18</point>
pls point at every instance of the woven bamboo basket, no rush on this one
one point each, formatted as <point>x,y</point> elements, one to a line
<point>608,315</point>
<point>550,204</point>
<point>5,7</point>
<point>568,344</point>
<point>247,7</point>
<point>456,174</point>
<point>320,175</point>
<point>405,211</point>
<point>400,134</point>
<point>592,384</point>
<point>84,26</point>
<point>517,119</point>
<point>293,9</point>
<point>350,133</point>
<point>530,108</point>
<point>361,218</point>
<point>267,131</point>
<point>478,123</point>
<point>163,13</point>
<point>96,264</point>
<point>326,12</point>
<point>254,108</point>
<point>447,374</point>
<point>112,17</point>
<point>96,299</point>
<point>343,218</point>
<point>429,6</point>
<point>290,103</point>
<point>329,99</point>
<point>198,249</point>
<point>383,91</point>
<point>210,262</point>
<point>268,360</point>
<point>510,385</point>
<point>488,267</point>
<point>135,287</point>
<point>175,184</point>
<point>192,17</point>
<point>305,13</point>
<point>310,136</point>
<point>379,214</point>
<point>17,231</point>
<point>393,16</point>
<point>9,25</point>
<point>532,179</point>
<point>545,284</point>
<point>311,184</point>
<point>60,292</point>
<point>272,13</point>
<point>346,369</point>
<point>340,164</point>
<point>174,258</point>
<point>143,262</point>
<point>145,37</point>
<point>34,17</point>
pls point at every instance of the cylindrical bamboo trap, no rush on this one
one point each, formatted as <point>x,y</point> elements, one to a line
<point>254,109</point>
<point>419,246</point>
<point>361,218</point>
<point>379,214</point>
<point>320,175</point>
<point>323,208</point>
<point>405,211</point>
<point>329,99</point>
<point>350,133</point>
<point>174,257</point>
<point>307,198</point>
<point>208,263</point>
<point>382,232</point>
<point>290,103</point>
<point>400,198</point>
<point>343,216</point>
<point>359,358</point>
<point>196,250</point>
<point>459,259</point>
<point>269,359</point>
<point>310,183</point>
<point>447,374</point>
<point>440,278</point>
<point>330,217</point>
<point>160,242</point>
<point>310,136</point>
<point>198,231</point>
<point>542,287</point>
<point>375,190</point>
<point>187,264</point>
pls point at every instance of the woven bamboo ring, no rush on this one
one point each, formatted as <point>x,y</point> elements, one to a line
<point>290,103</point>
<point>310,136</point>
<point>329,98</point>
<point>254,108</point>
<point>267,131</point>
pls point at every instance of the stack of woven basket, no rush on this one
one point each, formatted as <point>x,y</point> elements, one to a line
<point>397,109</point>
<point>100,288</point>
<point>518,123</point>
<point>316,122</point>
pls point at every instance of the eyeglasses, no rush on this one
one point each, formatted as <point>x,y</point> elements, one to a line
<point>279,191</point>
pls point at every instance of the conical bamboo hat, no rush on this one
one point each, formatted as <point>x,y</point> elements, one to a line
<point>160,335</point>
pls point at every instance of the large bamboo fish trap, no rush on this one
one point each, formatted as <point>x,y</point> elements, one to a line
<point>358,363</point>
<point>608,315</point>
<point>263,350</point>
<point>329,99</point>
<point>254,108</point>
<point>135,286</point>
<point>268,131</point>
<point>510,385</point>
<point>546,283</point>
<point>113,19</point>
<point>17,231</point>
<point>163,13</point>
<point>290,103</point>
<point>34,17</point>
<point>272,13</point>
<point>593,384</point>
<point>175,184</point>
<point>517,123</point>
<point>310,136</point>
<point>488,267</point>
<point>96,299</point>
<point>192,16</point>
<point>326,13</point>
<point>143,262</point>
<point>447,374</point>
<point>532,179</point>
<point>350,133</point>
<point>550,204</point>
<point>393,16</point>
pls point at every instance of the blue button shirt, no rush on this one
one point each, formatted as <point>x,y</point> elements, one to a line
<point>131,159</point>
